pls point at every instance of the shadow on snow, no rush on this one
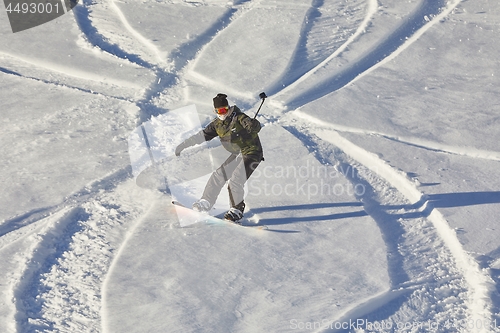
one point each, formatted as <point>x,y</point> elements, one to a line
<point>307,207</point>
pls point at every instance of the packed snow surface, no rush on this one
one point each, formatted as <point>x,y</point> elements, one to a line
<point>379,195</point>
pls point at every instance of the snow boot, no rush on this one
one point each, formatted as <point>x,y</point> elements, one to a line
<point>202,205</point>
<point>235,214</point>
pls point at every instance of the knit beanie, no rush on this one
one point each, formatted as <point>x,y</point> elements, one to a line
<point>220,101</point>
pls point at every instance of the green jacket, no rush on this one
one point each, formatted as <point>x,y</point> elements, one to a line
<point>238,133</point>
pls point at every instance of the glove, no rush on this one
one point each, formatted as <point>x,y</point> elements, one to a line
<point>180,148</point>
<point>256,126</point>
<point>251,125</point>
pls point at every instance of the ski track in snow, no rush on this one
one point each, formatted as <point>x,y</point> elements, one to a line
<point>478,285</point>
<point>417,142</point>
<point>453,276</point>
<point>232,14</point>
<point>371,10</point>
<point>400,39</point>
<point>159,56</point>
<point>107,183</point>
<point>163,79</point>
<point>396,43</point>
<point>415,216</point>
<point>67,72</point>
<point>67,226</point>
<point>54,232</point>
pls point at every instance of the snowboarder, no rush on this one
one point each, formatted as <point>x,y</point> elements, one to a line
<point>238,134</point>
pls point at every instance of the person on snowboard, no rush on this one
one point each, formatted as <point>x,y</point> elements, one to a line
<point>238,134</point>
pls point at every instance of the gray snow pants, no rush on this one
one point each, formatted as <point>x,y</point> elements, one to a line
<point>236,169</point>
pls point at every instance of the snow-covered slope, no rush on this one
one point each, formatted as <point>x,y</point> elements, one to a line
<point>379,191</point>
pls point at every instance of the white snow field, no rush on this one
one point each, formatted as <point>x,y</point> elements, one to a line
<point>379,193</point>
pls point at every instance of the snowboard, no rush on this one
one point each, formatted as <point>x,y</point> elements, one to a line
<point>188,216</point>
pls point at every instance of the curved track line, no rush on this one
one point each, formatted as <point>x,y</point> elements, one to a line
<point>371,10</point>
<point>228,18</point>
<point>417,258</point>
<point>417,142</point>
<point>52,241</point>
<point>401,38</point>
<point>235,13</point>
<point>92,36</point>
<point>60,85</point>
<point>248,97</point>
<point>130,232</point>
<point>419,33</point>
<point>68,71</point>
<point>163,79</point>
<point>160,56</point>
<point>370,305</point>
<point>87,193</point>
<point>479,285</point>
